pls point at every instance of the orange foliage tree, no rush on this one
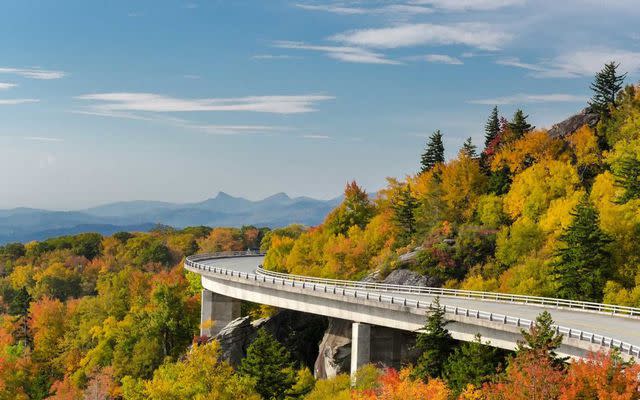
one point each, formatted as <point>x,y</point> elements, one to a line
<point>394,385</point>
<point>602,376</point>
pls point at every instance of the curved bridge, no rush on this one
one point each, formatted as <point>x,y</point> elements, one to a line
<point>499,318</point>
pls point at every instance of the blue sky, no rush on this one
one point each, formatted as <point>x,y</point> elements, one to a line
<point>175,100</point>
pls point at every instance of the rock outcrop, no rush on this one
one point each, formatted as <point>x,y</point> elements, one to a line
<point>573,123</point>
<point>410,278</point>
<point>299,332</point>
<point>334,355</point>
<point>235,338</point>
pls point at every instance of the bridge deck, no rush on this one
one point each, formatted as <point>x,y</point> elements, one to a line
<point>618,327</point>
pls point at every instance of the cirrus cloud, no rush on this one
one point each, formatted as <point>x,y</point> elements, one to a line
<point>522,98</point>
<point>5,86</point>
<point>33,73</point>
<point>439,59</point>
<point>150,102</point>
<point>11,102</point>
<point>470,5</point>
<point>473,34</point>
<point>578,63</point>
<point>350,54</point>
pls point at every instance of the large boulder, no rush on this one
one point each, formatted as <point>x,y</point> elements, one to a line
<point>573,123</point>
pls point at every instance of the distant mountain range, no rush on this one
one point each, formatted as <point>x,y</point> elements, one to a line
<point>26,224</point>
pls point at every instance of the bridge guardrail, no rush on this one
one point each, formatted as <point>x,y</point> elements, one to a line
<point>623,311</point>
<point>328,286</point>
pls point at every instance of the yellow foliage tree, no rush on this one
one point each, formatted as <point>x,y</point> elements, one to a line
<point>201,376</point>
<point>533,189</point>
<point>462,183</point>
<point>584,144</point>
<point>531,148</point>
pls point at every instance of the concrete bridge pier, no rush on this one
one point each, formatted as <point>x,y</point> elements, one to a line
<point>360,346</point>
<point>216,311</point>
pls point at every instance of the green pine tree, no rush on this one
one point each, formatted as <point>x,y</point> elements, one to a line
<point>583,262</point>
<point>435,343</point>
<point>627,176</point>
<point>19,308</point>
<point>519,125</point>
<point>500,181</point>
<point>471,363</point>
<point>434,153</point>
<point>606,85</point>
<point>404,206</point>
<point>469,149</point>
<point>492,127</point>
<point>269,364</point>
<point>542,338</point>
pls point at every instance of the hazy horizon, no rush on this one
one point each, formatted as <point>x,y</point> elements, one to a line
<point>177,100</point>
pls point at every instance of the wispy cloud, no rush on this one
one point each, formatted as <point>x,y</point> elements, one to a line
<point>317,137</point>
<point>470,5</point>
<point>587,62</point>
<point>111,114</point>
<point>478,35</point>
<point>5,86</point>
<point>43,139</point>
<point>191,6</point>
<point>439,59</point>
<point>150,102</point>
<point>191,76</point>
<point>334,8</point>
<point>237,129</point>
<point>357,9</point>
<point>579,63</point>
<point>212,129</point>
<point>523,98</point>
<point>343,53</point>
<point>33,73</point>
<point>10,102</point>
<point>515,62</point>
<point>272,57</point>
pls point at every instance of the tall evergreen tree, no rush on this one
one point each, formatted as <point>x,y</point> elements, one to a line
<point>628,177</point>
<point>435,343</point>
<point>472,363</point>
<point>492,127</point>
<point>583,262</point>
<point>404,206</point>
<point>606,85</point>
<point>519,125</point>
<point>269,364</point>
<point>469,149</point>
<point>434,153</point>
<point>19,308</point>
<point>542,338</point>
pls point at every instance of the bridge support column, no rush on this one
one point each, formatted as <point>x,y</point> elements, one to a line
<point>216,311</point>
<point>360,346</point>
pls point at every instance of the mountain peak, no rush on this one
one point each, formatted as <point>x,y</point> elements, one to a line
<point>223,195</point>
<point>282,196</point>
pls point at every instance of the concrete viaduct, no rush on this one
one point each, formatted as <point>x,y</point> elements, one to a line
<point>230,277</point>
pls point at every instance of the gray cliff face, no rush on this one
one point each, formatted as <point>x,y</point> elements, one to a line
<point>573,123</point>
<point>299,332</point>
<point>235,338</point>
<point>389,348</point>
<point>334,355</point>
